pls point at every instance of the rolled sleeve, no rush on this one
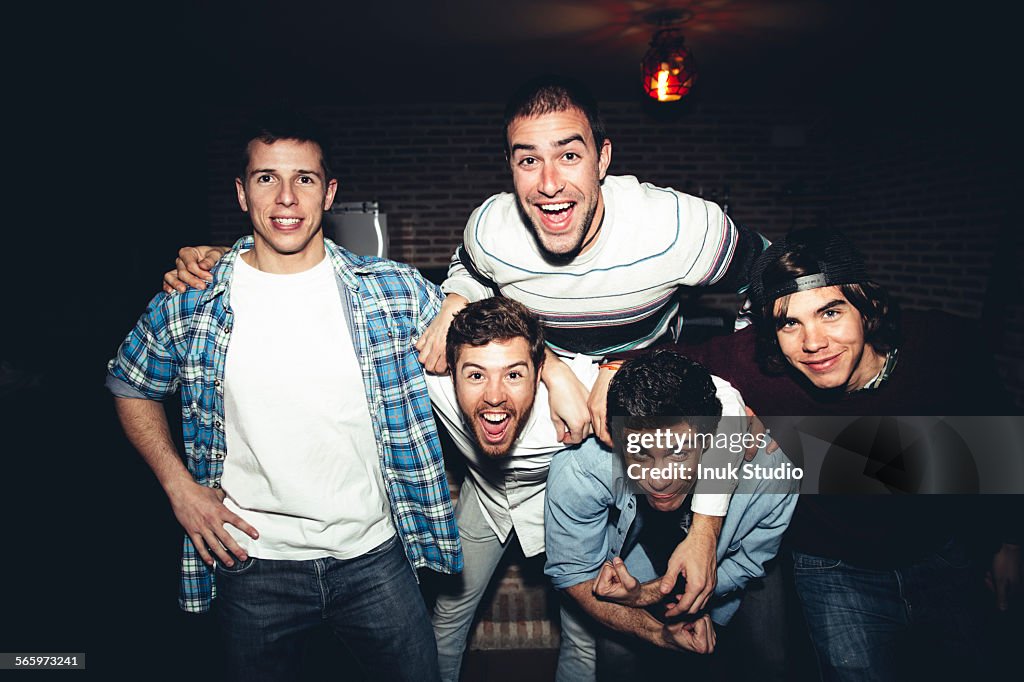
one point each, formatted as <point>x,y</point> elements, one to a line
<point>122,389</point>
<point>145,362</point>
<point>710,504</point>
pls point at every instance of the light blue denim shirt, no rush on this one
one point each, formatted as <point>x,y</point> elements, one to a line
<point>591,517</point>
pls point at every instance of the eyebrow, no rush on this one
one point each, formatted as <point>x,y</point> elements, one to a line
<point>518,363</point>
<point>300,171</point>
<point>831,304</point>
<point>559,143</point>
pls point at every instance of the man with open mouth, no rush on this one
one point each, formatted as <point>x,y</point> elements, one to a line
<point>493,405</point>
<point>613,521</point>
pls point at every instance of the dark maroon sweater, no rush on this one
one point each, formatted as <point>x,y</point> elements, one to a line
<point>943,369</point>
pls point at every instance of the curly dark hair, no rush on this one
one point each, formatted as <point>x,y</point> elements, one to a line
<point>494,319</point>
<point>659,390</point>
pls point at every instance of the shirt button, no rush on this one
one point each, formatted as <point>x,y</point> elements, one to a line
<point>217,423</point>
<point>216,382</point>
<point>615,551</point>
<point>215,485</point>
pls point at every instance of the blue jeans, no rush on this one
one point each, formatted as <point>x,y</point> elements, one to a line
<point>869,624</point>
<point>371,602</point>
<point>456,606</point>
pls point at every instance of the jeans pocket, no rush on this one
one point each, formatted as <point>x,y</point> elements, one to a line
<point>809,562</point>
<point>384,546</point>
<point>238,568</point>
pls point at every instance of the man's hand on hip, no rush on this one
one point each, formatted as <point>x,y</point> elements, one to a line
<point>201,512</point>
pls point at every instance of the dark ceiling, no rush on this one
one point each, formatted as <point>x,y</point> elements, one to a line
<point>477,50</point>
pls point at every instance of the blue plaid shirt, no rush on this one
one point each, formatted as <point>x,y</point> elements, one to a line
<point>181,342</point>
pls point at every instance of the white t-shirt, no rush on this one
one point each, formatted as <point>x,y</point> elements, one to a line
<point>302,465</point>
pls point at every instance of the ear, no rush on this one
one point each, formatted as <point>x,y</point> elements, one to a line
<point>240,191</point>
<point>332,189</point>
<point>604,158</point>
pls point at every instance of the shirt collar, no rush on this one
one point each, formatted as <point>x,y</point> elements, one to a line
<point>884,373</point>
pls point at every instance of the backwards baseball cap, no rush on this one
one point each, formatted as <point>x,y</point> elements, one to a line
<point>824,257</point>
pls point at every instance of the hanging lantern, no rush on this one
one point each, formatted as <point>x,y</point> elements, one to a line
<point>668,68</point>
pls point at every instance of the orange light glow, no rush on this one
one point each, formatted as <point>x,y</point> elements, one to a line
<point>662,85</point>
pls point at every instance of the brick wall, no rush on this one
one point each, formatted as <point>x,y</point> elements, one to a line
<point>431,165</point>
<point>929,206</point>
<point>926,202</point>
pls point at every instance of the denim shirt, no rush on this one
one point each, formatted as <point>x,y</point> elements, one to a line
<point>181,342</point>
<point>591,517</point>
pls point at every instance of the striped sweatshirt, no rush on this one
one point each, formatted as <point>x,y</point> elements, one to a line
<point>621,293</point>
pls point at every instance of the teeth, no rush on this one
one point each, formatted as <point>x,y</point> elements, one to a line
<point>286,221</point>
<point>495,418</point>
<point>555,208</point>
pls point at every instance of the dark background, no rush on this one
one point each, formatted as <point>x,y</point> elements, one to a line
<point>115,157</point>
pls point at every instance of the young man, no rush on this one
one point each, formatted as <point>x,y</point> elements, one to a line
<point>882,578</point>
<point>304,502</point>
<point>494,406</point>
<point>611,523</point>
<point>598,258</point>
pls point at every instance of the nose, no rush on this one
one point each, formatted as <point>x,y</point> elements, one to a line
<point>814,338</point>
<point>658,486</point>
<point>551,182</point>
<point>286,195</point>
<point>494,392</point>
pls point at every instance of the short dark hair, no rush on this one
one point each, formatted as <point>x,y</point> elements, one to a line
<point>548,94</point>
<point>660,389</point>
<point>808,252</point>
<point>280,123</point>
<point>494,319</point>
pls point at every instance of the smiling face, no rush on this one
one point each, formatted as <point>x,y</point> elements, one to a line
<point>664,493</point>
<point>495,385</point>
<point>557,171</point>
<point>285,193</point>
<point>822,336</point>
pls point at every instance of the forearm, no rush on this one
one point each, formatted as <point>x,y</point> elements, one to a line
<point>553,367</point>
<point>649,594</point>
<point>632,621</point>
<point>145,425</point>
<point>709,527</point>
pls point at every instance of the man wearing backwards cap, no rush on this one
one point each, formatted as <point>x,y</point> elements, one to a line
<point>875,574</point>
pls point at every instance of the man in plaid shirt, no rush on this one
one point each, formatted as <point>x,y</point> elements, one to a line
<point>332,495</point>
